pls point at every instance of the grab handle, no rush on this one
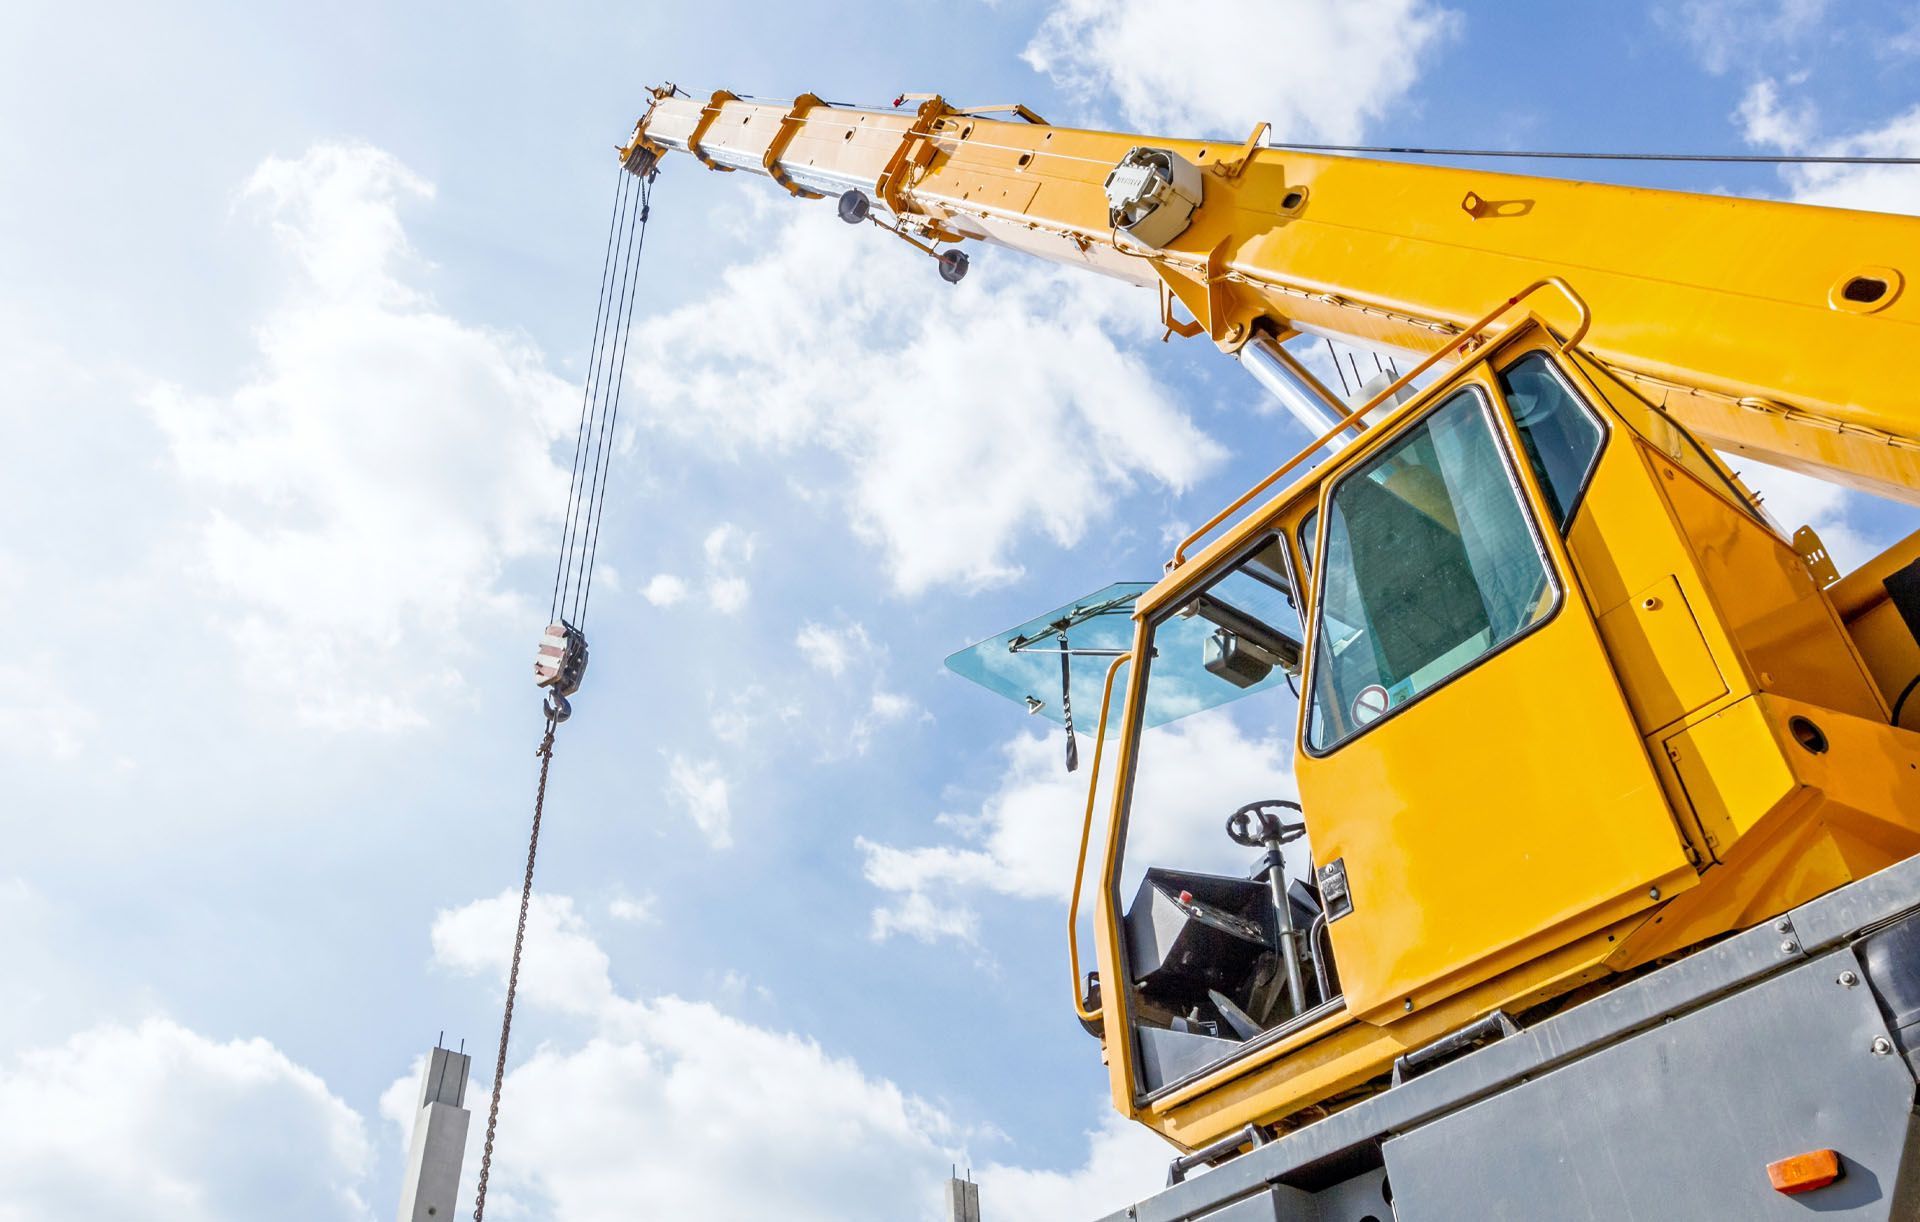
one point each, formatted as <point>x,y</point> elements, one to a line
<point>1086,835</point>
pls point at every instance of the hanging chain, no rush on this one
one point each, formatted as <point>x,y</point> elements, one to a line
<point>513,971</point>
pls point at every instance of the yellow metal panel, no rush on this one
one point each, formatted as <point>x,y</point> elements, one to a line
<point>1461,834</point>
<point>1662,660</point>
<point>1891,654</point>
<point>1885,642</point>
<point>1784,626</point>
<point>1724,307</point>
<point>1733,769</point>
<point>1341,1055</point>
<point>1001,192</point>
<point>1791,823</point>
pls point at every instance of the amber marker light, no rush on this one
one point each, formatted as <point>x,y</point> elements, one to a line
<point>1804,1172</point>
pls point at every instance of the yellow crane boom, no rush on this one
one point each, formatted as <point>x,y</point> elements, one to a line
<point>1784,331</point>
<point>1568,708</point>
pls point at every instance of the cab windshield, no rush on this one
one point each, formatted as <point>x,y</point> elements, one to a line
<point>1225,939</point>
<point>1431,564</point>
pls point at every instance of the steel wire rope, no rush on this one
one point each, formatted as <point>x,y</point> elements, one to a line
<point>615,353</point>
<point>619,382</point>
<point>1550,155</point>
<point>586,391</point>
<point>1407,150</point>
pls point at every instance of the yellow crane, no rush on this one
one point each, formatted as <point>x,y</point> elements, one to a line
<point>1601,774</point>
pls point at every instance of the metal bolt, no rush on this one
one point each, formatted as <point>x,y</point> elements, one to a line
<point>1653,893</point>
<point>1882,1046</point>
<point>1783,925</point>
<point>1789,946</point>
<point>1409,1003</point>
<point>1848,980</point>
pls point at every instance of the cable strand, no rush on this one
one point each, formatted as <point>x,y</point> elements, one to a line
<point>586,393</point>
<point>619,383</point>
<point>614,350</point>
<point>1549,155</point>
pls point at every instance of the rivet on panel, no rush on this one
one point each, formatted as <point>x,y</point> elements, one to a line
<point>1882,1046</point>
<point>1653,893</point>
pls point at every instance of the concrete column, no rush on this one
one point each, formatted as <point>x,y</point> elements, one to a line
<point>963,1200</point>
<point>430,1192</point>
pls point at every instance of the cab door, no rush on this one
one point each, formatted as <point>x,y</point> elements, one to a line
<point>1467,760</point>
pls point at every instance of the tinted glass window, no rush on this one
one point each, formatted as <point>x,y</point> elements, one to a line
<point>1561,436</point>
<point>1431,563</point>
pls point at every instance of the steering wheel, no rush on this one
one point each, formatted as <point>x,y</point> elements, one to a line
<point>1258,824</point>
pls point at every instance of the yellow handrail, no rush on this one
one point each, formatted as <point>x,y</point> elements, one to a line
<point>1086,835</point>
<point>1458,341</point>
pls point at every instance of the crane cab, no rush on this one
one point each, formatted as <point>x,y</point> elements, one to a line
<point>1536,695</point>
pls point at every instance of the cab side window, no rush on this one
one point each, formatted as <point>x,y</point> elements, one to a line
<point>1561,435</point>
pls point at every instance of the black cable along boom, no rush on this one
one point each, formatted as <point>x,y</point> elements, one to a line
<point>561,662</point>
<point>1545,155</point>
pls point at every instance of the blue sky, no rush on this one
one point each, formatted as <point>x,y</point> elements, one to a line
<point>294,305</point>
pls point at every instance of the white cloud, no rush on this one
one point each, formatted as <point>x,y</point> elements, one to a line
<point>1771,119</point>
<point>639,911</point>
<point>157,1122</point>
<point>664,590</point>
<point>955,459</point>
<point>918,916</point>
<point>39,717</point>
<point>1765,119</point>
<point>729,550</point>
<point>670,1099</point>
<point>563,967</point>
<point>831,649</point>
<point>1725,33</point>
<point>700,788</point>
<point>1796,500</point>
<point>666,1099</point>
<point>726,546</point>
<point>891,706</point>
<point>728,594</point>
<point>1315,69</point>
<point>1023,841</point>
<point>882,709</point>
<point>739,713</point>
<point>1874,188</point>
<point>1125,1162</point>
<point>379,465</point>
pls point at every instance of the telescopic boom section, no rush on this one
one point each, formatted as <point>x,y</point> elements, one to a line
<point>1781,331</point>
